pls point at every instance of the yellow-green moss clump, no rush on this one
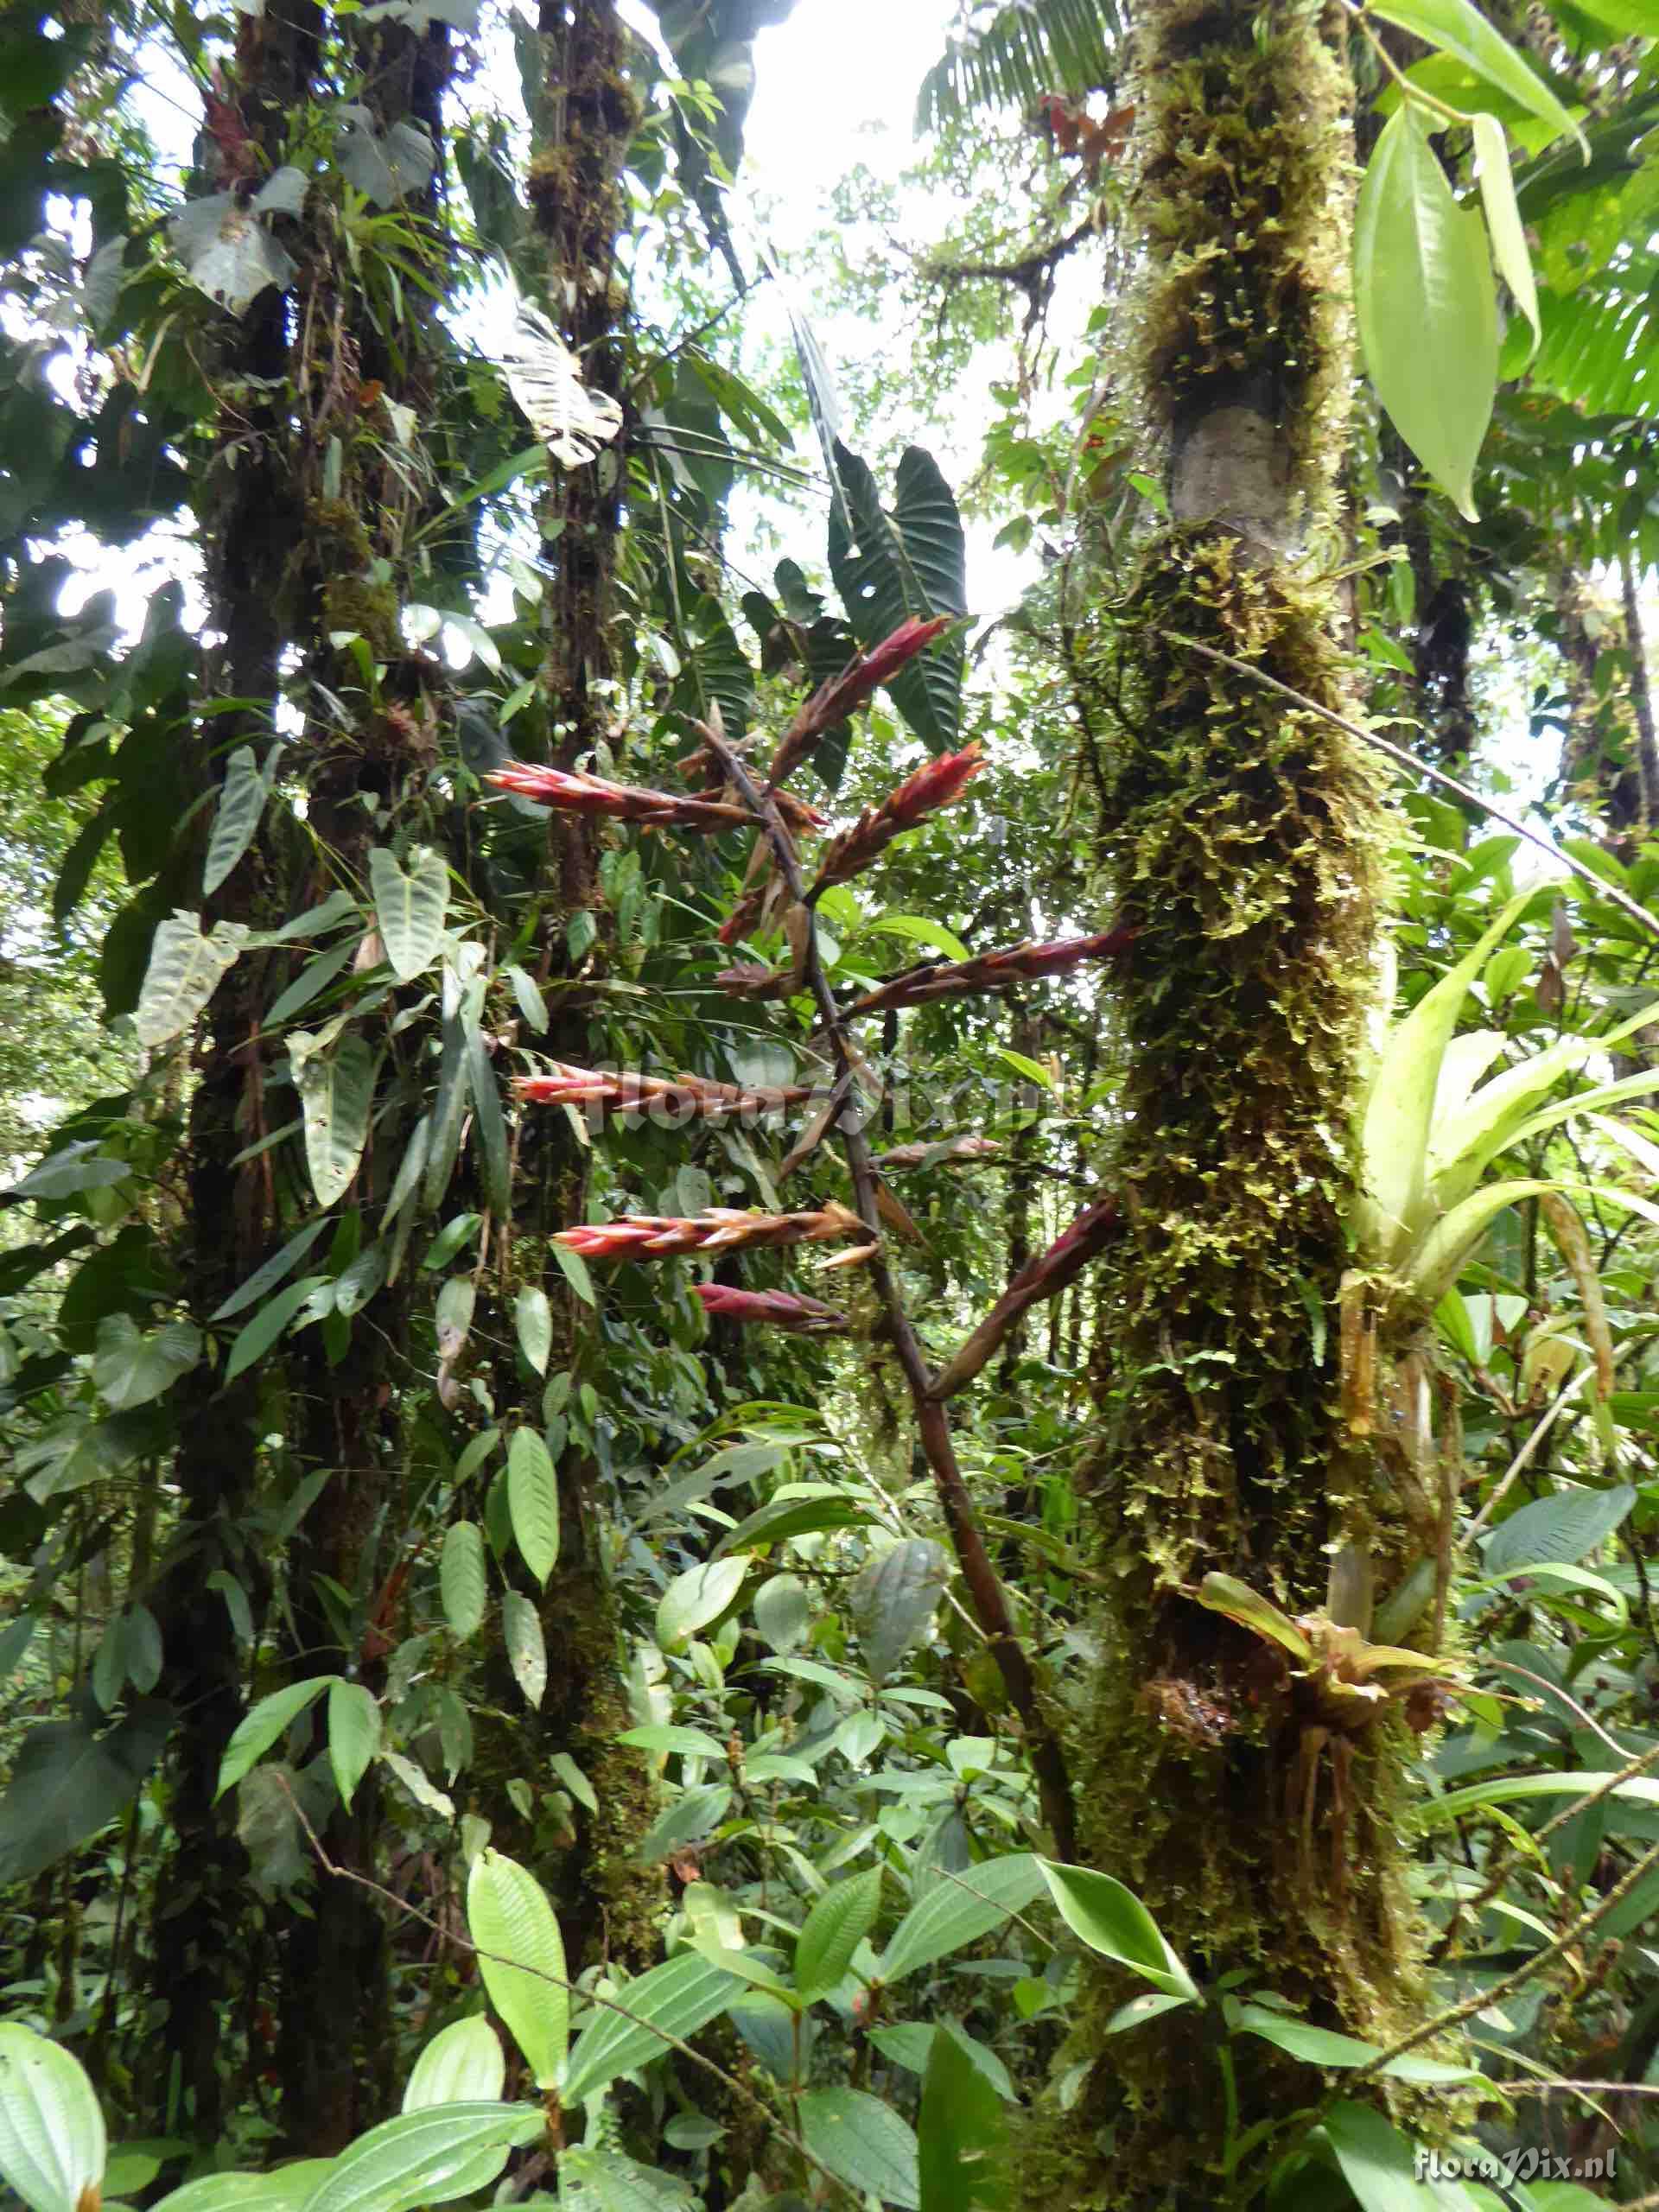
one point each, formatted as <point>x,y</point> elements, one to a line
<point>1242,838</point>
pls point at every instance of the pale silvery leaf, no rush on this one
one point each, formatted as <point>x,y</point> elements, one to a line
<point>543,377</point>
<point>385,166</point>
<point>282,193</point>
<point>228,251</point>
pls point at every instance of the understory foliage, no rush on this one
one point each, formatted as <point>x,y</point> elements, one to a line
<point>815,1395</point>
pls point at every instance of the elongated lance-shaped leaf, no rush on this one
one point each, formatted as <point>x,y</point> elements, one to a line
<point>1398,1112</point>
<point>675,1999</point>
<point>521,1957</point>
<point>336,1092</point>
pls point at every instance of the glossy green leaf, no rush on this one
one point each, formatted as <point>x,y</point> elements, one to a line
<point>521,1630</point>
<point>255,1338</point>
<point>1325,2047</point>
<point>430,2155</point>
<point>1112,1920</point>
<point>52,2140</point>
<point>863,2142</point>
<point>961,2133</point>
<point>838,1924</point>
<point>184,971</point>
<point>1427,312</point>
<point>241,802</point>
<point>131,1365</point>
<point>410,906</point>
<point>461,1578</point>
<point>70,1778</point>
<point>532,1320</point>
<point>695,1598</point>
<point>336,1092</point>
<point>1511,256</point>
<point>260,1728</point>
<point>1459,27</point>
<point>957,1909</point>
<point>270,1273</point>
<point>533,1496</point>
<point>354,1734</point>
<point>521,1958</point>
<point>1376,2158</point>
<point>464,2064</point>
<point>893,565</point>
<point>1558,1530</point>
<point>673,1999</point>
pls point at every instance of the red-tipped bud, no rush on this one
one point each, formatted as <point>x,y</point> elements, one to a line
<point>935,783</point>
<point>578,793</point>
<point>1095,1228</point>
<point>835,700</point>
<point>687,1097</point>
<point>719,1229</point>
<point>782,1309</point>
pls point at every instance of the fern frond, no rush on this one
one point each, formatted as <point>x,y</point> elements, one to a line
<point>1026,48</point>
<point>1600,347</point>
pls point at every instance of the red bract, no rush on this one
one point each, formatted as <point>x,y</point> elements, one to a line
<point>942,1151</point>
<point>782,1309</point>
<point>690,1097</point>
<point>835,700</point>
<point>718,1228</point>
<point>1095,1228</point>
<point>993,971</point>
<point>934,784</point>
<point>578,793</point>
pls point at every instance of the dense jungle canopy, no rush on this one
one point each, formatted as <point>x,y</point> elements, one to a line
<point>829,1105</point>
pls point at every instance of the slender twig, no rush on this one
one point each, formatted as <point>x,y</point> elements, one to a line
<point>990,1602</point>
<point>1398,753</point>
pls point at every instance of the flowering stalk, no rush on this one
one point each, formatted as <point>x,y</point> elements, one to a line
<point>781,1308</point>
<point>577,792</point>
<point>1095,1228</point>
<point>935,783</point>
<point>689,1097</point>
<point>993,971</point>
<point>952,1151</point>
<point>717,1229</point>
<point>835,699</point>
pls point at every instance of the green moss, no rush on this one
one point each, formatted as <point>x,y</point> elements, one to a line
<point>353,605</point>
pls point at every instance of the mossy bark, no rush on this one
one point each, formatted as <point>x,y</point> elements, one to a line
<point>1244,841</point>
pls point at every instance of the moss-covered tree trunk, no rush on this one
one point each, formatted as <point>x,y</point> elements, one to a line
<point>1243,839</point>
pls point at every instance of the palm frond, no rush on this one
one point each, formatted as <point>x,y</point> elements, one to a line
<point>1024,49</point>
<point>1600,347</point>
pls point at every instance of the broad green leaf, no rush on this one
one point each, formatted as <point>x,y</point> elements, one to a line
<point>961,2133</point>
<point>835,1927</point>
<point>1112,1920</point>
<point>184,972</point>
<point>574,1269</point>
<point>285,2191</point>
<point>1557,1530</point>
<point>892,1600</point>
<point>427,2156</point>
<point>52,2141</point>
<point>385,165</point>
<point>419,1785</point>
<point>464,2064</point>
<point>1427,314</point>
<point>574,1780</point>
<point>1458,27</point>
<point>260,1728</point>
<point>1223,1594</point>
<point>532,1319</point>
<point>1325,2047</point>
<point>1511,253</point>
<point>533,1497</point>
<point>354,1734</point>
<point>1441,1257</point>
<point>521,1630</point>
<point>863,2142</point>
<point>908,562</point>
<point>675,1999</point>
<point>664,1737</point>
<point>409,907</point>
<point>255,1338</point>
<point>918,930</point>
<point>270,1273</point>
<point>1376,2158</point>
<point>461,1578</point>
<point>1399,1109</point>
<point>336,1092</point>
<point>70,1778</point>
<point>241,802</point>
<point>1513,1789</point>
<point>229,254</point>
<point>783,1611</point>
<point>958,1908</point>
<point>695,1598</point>
<point>527,992</point>
<point>521,1957</point>
<point>130,1365</point>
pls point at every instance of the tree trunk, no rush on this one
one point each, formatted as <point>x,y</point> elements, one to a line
<point>1244,840</point>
